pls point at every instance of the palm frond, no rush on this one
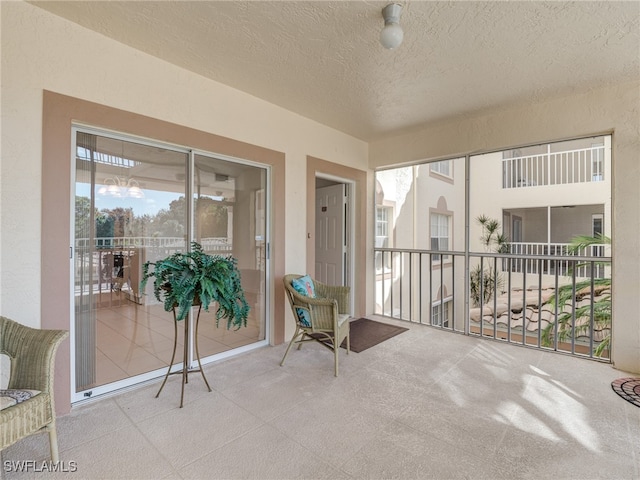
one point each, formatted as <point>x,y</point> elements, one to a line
<point>598,311</point>
<point>580,242</point>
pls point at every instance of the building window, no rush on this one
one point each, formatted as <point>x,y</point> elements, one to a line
<point>443,167</point>
<point>439,234</point>
<point>440,313</point>
<point>596,224</point>
<point>383,259</point>
<point>597,230</point>
<point>382,224</point>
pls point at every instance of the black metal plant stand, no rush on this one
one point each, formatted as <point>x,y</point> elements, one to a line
<point>185,371</point>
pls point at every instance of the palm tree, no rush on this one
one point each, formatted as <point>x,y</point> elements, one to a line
<point>491,237</point>
<point>564,299</point>
<point>487,281</point>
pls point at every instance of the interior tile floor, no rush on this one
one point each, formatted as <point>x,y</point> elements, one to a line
<point>425,404</point>
<point>134,339</point>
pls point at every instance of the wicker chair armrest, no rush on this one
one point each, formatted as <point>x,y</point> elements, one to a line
<point>324,316</point>
<point>321,310</point>
<point>313,301</point>
<point>339,293</point>
<point>32,352</point>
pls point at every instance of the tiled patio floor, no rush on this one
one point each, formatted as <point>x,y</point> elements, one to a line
<point>425,404</point>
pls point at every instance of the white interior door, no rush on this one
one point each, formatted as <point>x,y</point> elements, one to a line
<point>331,205</point>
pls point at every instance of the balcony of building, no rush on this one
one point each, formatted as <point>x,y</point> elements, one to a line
<point>544,168</point>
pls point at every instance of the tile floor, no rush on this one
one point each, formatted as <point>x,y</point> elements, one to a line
<point>426,404</point>
<point>134,339</point>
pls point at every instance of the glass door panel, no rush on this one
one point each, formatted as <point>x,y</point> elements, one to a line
<point>230,219</point>
<point>130,208</point>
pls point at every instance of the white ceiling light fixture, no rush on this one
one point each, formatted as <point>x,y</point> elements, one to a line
<point>391,35</point>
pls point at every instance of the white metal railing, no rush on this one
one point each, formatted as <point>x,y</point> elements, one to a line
<point>479,294</point>
<point>530,251</point>
<point>572,166</point>
<point>106,264</point>
<point>213,243</point>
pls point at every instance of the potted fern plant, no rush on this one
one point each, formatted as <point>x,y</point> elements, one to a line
<point>184,279</point>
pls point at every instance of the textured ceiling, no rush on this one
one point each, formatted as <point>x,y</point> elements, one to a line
<point>323,59</point>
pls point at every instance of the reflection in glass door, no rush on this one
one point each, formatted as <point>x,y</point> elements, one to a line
<point>138,202</point>
<point>228,201</point>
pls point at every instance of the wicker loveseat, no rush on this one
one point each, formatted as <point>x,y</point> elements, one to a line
<point>31,352</point>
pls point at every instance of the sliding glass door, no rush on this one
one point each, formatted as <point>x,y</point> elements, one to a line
<point>139,201</point>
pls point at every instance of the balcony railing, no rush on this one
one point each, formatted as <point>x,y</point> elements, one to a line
<point>528,253</point>
<point>114,263</point>
<point>176,243</point>
<point>558,168</point>
<point>566,313</point>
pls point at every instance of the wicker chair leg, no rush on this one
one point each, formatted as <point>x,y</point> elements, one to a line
<point>53,443</point>
<point>335,353</point>
<point>293,339</point>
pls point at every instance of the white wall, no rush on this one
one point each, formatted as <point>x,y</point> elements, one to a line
<point>614,108</point>
<point>43,52</point>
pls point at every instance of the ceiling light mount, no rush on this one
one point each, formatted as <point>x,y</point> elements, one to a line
<point>391,35</point>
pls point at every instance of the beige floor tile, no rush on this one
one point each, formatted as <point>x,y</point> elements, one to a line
<point>398,452</point>
<point>157,344</point>
<point>106,370</point>
<point>125,454</point>
<point>185,434</point>
<point>207,347</point>
<point>138,366</point>
<point>225,374</point>
<point>33,448</point>
<point>334,427</point>
<point>141,403</point>
<point>266,454</point>
<point>89,422</point>
<point>274,393</point>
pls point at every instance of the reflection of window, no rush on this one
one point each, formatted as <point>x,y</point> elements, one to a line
<point>439,234</point>
<point>443,167</point>
<point>440,313</point>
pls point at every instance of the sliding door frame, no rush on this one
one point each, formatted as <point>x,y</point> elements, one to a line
<point>82,395</point>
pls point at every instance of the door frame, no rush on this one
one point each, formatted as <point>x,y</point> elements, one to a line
<point>347,264</point>
<point>359,210</point>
